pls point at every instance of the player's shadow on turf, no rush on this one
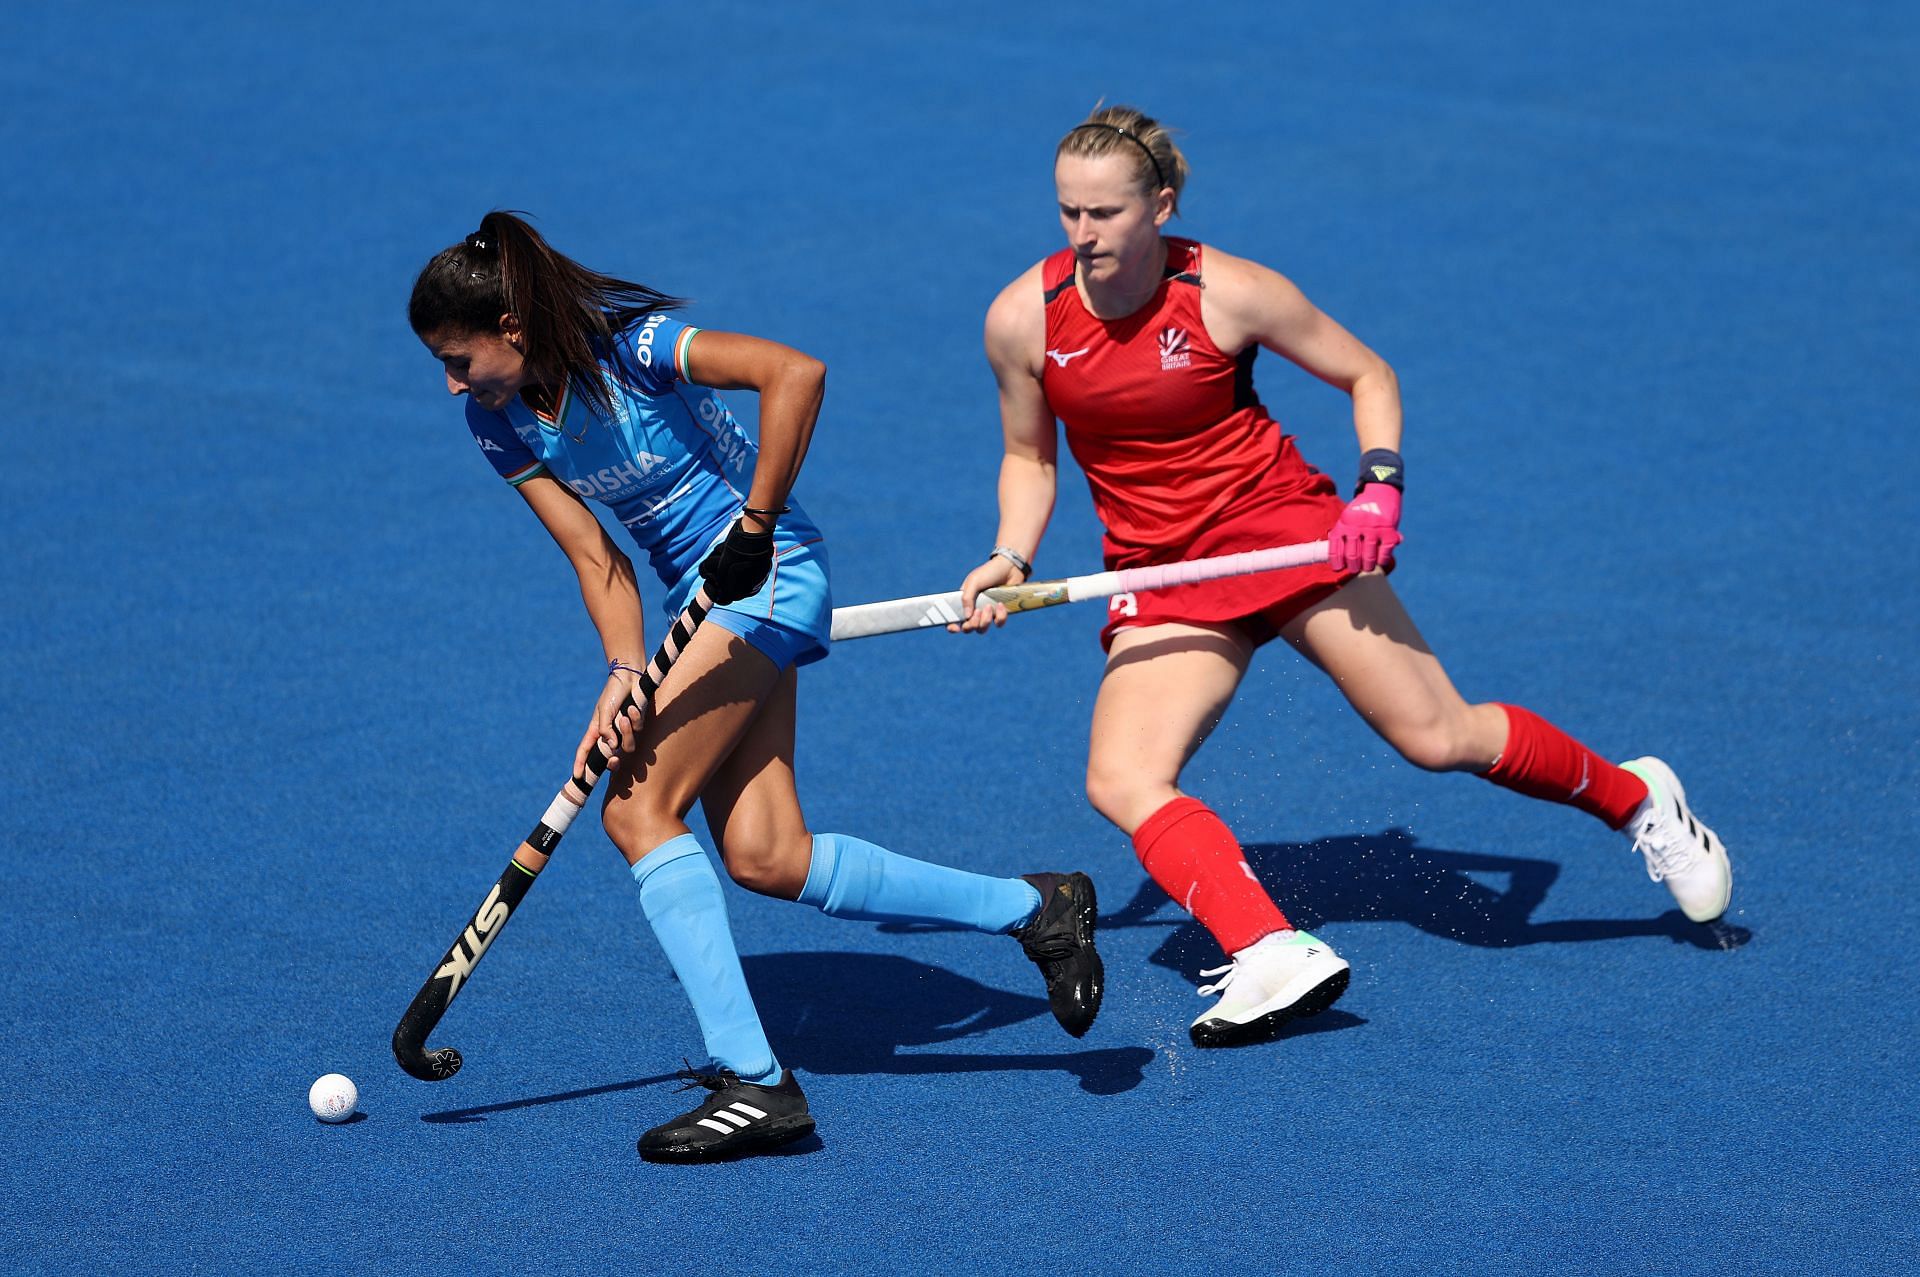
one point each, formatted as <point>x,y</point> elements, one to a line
<point>1390,877</point>
<point>866,1012</point>
<point>852,1012</point>
<point>479,1112</point>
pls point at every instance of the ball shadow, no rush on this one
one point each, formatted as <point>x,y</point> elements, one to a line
<point>355,1120</point>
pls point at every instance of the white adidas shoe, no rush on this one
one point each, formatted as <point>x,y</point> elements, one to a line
<point>1680,851</point>
<point>1285,976</point>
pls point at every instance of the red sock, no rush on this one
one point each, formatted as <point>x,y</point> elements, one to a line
<point>1195,858</point>
<point>1541,761</point>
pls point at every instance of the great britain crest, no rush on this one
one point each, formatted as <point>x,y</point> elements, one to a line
<point>1173,349</point>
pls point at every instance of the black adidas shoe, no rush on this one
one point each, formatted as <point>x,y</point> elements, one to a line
<point>738,1119</point>
<point>1060,940</point>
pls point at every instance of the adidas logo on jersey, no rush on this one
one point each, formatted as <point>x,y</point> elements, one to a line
<point>1173,349</point>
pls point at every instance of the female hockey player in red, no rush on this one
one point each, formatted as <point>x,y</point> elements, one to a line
<point>1142,345</point>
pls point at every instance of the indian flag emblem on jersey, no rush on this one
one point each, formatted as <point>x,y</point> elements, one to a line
<point>1173,349</point>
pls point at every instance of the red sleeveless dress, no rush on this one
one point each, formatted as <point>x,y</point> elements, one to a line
<point>1183,460</point>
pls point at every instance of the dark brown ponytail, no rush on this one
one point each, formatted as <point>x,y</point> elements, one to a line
<point>567,313</point>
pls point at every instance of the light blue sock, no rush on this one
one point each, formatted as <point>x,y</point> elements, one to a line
<point>853,879</point>
<point>681,897</point>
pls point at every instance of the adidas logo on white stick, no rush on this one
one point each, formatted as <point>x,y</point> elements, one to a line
<point>940,612</point>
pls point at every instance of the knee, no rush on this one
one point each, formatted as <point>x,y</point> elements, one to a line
<point>636,825</point>
<point>1442,744</point>
<point>1107,789</point>
<point>769,865</point>
<point>1122,795</point>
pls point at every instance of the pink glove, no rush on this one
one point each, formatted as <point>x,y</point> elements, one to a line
<point>1367,530</point>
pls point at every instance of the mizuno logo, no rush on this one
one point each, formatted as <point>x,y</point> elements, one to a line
<point>472,945</point>
<point>1061,357</point>
<point>488,445</point>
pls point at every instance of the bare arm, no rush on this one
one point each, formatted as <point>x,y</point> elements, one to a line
<point>607,583</point>
<point>1245,302</point>
<point>1016,337</point>
<point>612,596</point>
<point>791,386</point>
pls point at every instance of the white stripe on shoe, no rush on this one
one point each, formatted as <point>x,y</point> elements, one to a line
<point>726,1121</point>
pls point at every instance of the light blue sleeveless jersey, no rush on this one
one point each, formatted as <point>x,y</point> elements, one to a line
<point>674,467</point>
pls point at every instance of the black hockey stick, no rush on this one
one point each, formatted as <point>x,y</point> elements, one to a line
<point>464,954</point>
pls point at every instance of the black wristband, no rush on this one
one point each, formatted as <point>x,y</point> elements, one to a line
<point>1381,465</point>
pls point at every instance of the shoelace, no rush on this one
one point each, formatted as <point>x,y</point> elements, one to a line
<point>1668,850</point>
<point>692,1078</point>
<point>1226,975</point>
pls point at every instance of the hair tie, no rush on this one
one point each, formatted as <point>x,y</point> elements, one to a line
<point>1158,173</point>
<point>477,242</point>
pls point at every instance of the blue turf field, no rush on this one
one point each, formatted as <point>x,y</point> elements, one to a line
<point>274,710</point>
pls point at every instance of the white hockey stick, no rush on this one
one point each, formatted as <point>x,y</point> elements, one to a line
<point>926,610</point>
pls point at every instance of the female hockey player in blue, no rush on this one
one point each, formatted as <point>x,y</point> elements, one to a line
<point>581,387</point>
